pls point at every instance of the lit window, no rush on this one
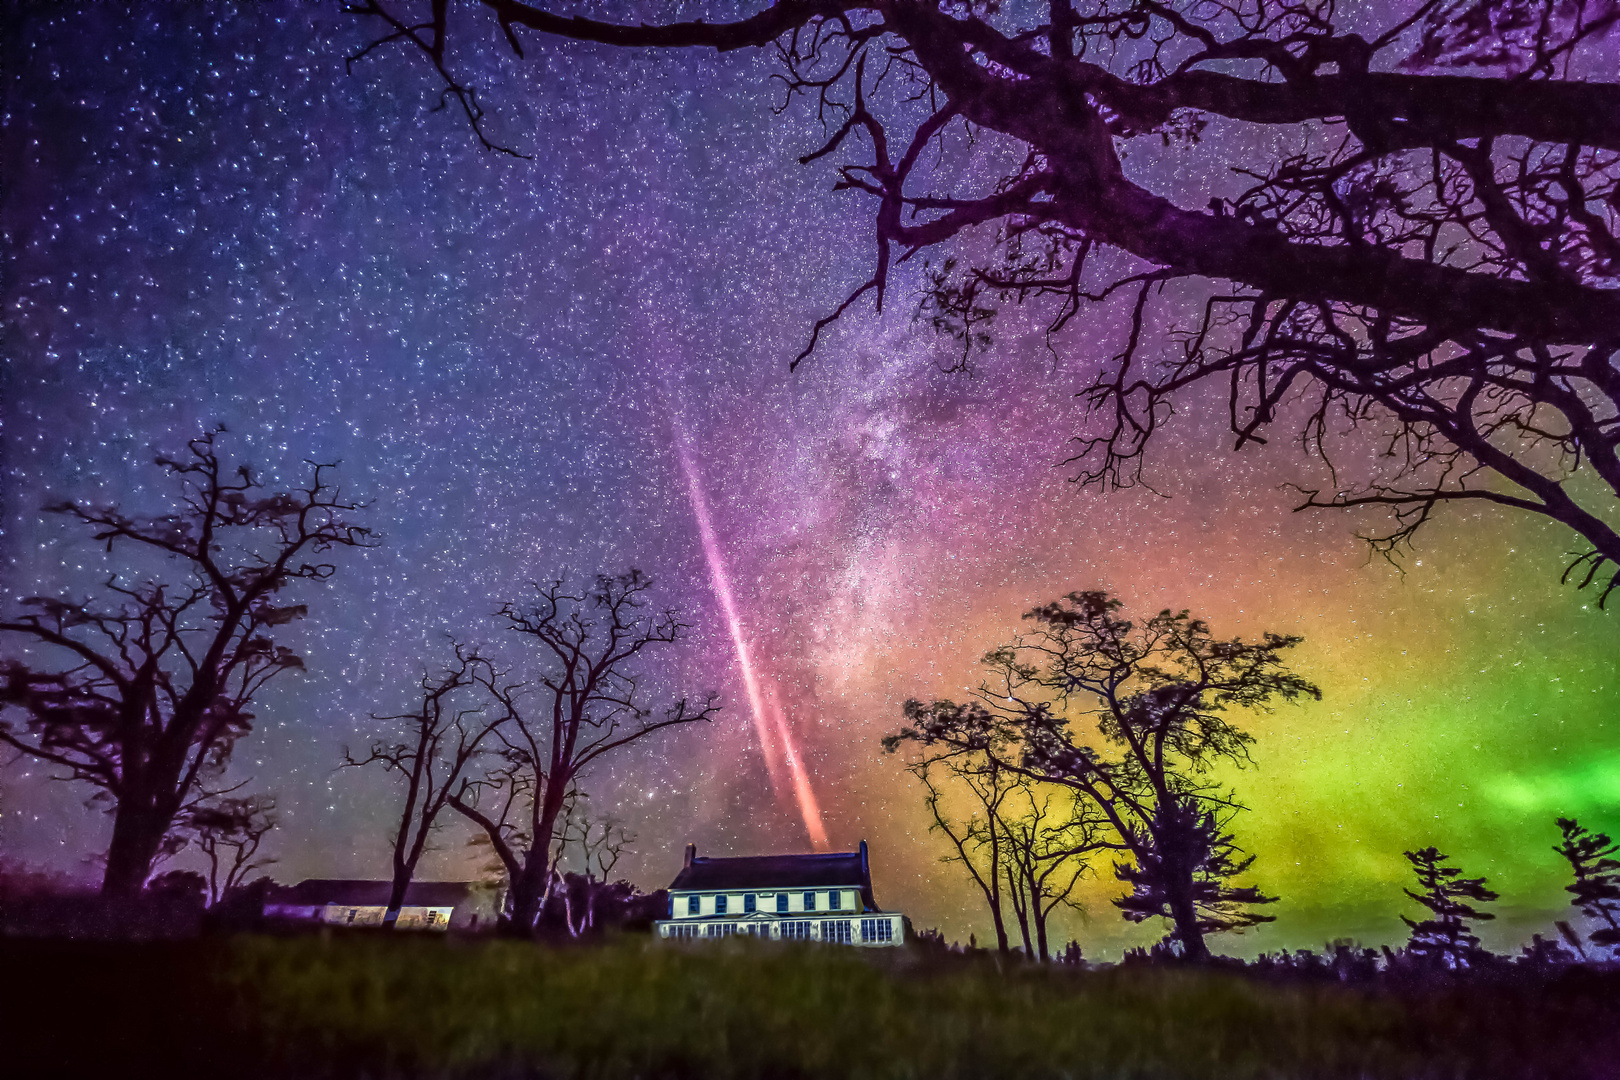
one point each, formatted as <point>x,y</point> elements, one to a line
<point>748,903</point>
<point>719,905</point>
<point>835,900</point>
<point>781,903</point>
<point>809,901</point>
<point>694,905</point>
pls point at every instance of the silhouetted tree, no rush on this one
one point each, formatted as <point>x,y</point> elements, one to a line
<point>976,842</point>
<point>1154,697</point>
<point>444,735</point>
<point>1434,258</point>
<point>1048,851</point>
<point>1189,833</point>
<point>241,907</point>
<point>1596,888</point>
<point>1544,953</point>
<point>1024,849</point>
<point>184,887</point>
<point>229,832</point>
<point>586,703</point>
<point>596,848</point>
<point>150,685</point>
<point>1445,938</point>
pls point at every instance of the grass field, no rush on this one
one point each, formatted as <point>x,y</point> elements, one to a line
<point>382,1006</point>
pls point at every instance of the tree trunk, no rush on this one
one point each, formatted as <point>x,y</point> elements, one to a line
<point>403,872</point>
<point>137,834</point>
<point>1184,912</point>
<point>528,895</point>
<point>1019,903</point>
<point>995,912</point>
<point>1039,912</point>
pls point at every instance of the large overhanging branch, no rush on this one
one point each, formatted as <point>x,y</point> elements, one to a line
<point>1457,214</point>
<point>1051,108</point>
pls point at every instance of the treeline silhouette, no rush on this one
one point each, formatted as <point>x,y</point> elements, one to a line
<point>144,690</point>
<point>1091,737</point>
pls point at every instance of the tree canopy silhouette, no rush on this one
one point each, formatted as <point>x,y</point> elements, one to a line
<point>144,691</point>
<point>1129,718</point>
<point>1596,888</point>
<point>1432,258</point>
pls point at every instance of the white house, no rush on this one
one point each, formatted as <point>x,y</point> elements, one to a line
<point>429,905</point>
<point>780,897</point>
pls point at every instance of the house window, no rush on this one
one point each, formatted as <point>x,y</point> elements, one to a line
<point>749,901</point>
<point>835,900</point>
<point>694,905</point>
<point>781,903</point>
<point>796,930</point>
<point>835,931</point>
<point>715,930</point>
<point>719,905</point>
<point>877,930</point>
<point>681,931</point>
<point>809,901</point>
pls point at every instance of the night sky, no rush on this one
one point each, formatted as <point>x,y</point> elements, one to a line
<point>207,221</point>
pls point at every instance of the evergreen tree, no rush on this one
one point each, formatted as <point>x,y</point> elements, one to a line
<point>1191,835</point>
<point>1597,879</point>
<point>1445,937</point>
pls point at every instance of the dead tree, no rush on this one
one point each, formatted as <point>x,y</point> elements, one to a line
<point>596,846</point>
<point>1048,849</point>
<point>229,832</point>
<point>1024,852</point>
<point>143,692</point>
<point>1432,263</point>
<point>584,702</point>
<point>975,842</point>
<point>444,736</point>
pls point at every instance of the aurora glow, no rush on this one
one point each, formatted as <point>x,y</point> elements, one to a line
<point>776,741</point>
<point>210,222</point>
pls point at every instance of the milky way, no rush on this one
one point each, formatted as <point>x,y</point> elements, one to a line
<point>208,221</point>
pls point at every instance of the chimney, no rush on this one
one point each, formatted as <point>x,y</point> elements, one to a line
<point>691,853</point>
<point>866,871</point>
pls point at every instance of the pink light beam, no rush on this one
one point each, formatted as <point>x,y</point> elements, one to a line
<point>809,809</point>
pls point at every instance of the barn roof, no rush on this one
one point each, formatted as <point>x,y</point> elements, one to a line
<point>357,893</point>
<point>819,871</point>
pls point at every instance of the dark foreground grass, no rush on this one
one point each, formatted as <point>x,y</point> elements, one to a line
<point>384,1006</point>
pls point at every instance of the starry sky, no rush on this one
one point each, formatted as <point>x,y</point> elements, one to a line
<point>207,221</point>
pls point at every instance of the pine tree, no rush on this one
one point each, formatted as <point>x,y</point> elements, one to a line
<point>1446,937</point>
<point>1597,879</point>
<point>1191,842</point>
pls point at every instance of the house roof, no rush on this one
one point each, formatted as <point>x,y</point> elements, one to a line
<point>318,891</point>
<point>820,871</point>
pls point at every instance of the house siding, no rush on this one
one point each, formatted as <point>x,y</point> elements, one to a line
<point>849,902</point>
<point>825,896</point>
<point>870,929</point>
